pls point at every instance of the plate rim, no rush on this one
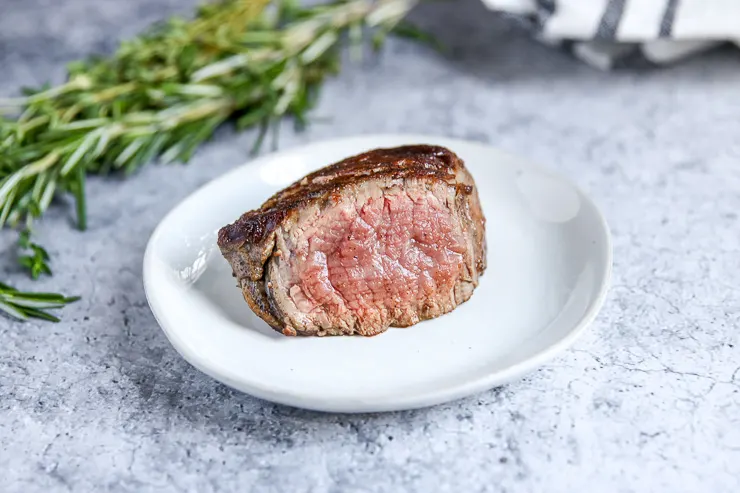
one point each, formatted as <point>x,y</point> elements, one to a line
<point>485,381</point>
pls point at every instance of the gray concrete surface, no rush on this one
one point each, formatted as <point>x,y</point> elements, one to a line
<point>648,401</point>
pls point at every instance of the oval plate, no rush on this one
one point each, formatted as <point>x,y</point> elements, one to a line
<point>549,261</point>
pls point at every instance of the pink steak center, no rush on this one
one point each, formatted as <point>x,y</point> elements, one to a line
<point>383,262</point>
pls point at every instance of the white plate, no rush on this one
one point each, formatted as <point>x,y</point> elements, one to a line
<point>549,260</point>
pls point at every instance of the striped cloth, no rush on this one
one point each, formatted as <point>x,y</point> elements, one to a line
<point>610,33</point>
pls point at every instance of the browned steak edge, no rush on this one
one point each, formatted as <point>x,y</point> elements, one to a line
<point>401,162</point>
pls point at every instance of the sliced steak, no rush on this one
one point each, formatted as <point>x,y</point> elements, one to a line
<point>383,239</point>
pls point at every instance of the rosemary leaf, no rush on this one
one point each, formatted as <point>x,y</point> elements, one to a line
<point>25,305</point>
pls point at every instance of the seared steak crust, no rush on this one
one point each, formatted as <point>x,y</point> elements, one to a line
<point>385,238</point>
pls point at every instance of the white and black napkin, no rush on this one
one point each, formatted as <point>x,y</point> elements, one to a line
<point>609,33</point>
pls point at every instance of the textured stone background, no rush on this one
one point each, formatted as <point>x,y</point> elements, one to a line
<point>648,401</point>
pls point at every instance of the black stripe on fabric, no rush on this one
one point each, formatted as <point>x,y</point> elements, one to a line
<point>545,10</point>
<point>526,21</point>
<point>610,19</point>
<point>669,15</point>
<point>547,6</point>
<point>634,61</point>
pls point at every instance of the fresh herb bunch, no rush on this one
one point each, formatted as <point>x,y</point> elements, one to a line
<point>164,93</point>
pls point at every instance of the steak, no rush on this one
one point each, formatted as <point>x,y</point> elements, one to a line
<point>383,239</point>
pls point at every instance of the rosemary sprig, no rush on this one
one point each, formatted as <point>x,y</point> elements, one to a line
<point>164,93</point>
<point>35,259</point>
<point>23,305</point>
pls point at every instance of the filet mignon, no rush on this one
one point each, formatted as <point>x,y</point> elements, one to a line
<point>383,239</point>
